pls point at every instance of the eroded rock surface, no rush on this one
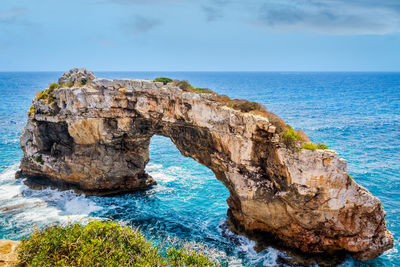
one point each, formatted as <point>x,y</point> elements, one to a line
<point>95,134</point>
<point>8,253</point>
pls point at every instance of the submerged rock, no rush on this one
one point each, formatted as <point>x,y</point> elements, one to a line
<point>97,139</point>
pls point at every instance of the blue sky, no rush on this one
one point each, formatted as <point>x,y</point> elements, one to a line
<point>191,35</point>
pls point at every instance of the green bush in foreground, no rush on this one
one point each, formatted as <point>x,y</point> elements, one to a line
<point>100,243</point>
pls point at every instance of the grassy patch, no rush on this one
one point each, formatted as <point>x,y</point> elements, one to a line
<point>100,243</point>
<point>312,146</point>
<point>53,86</point>
<point>163,80</point>
<point>322,146</point>
<point>203,91</point>
<point>309,146</point>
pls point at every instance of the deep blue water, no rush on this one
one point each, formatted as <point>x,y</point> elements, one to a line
<point>357,114</point>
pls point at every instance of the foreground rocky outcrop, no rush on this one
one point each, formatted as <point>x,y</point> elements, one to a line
<point>95,133</point>
<point>8,253</point>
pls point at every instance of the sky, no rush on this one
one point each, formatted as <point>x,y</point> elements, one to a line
<point>200,35</point>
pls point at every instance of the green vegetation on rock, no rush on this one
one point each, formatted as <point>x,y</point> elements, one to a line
<point>184,85</point>
<point>163,80</point>
<point>312,146</point>
<point>68,84</point>
<point>100,243</point>
<point>245,105</point>
<point>203,91</point>
<point>237,104</point>
<point>186,257</point>
<point>290,138</point>
<point>31,111</point>
<point>53,86</point>
<point>47,95</point>
<point>38,159</point>
<point>322,146</point>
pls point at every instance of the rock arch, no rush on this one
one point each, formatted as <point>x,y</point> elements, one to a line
<point>95,134</point>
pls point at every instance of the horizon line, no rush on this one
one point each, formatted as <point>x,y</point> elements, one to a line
<point>272,71</point>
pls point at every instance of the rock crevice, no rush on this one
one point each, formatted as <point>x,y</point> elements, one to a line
<point>95,134</point>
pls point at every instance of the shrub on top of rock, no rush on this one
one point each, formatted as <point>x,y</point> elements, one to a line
<point>53,86</point>
<point>47,95</point>
<point>275,120</point>
<point>291,138</point>
<point>245,105</point>
<point>204,91</point>
<point>322,146</point>
<point>163,80</point>
<point>184,85</point>
<point>312,146</point>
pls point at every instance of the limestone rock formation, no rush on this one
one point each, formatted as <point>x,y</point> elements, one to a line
<point>8,254</point>
<point>95,133</point>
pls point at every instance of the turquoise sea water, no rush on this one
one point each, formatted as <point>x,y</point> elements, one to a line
<point>357,114</point>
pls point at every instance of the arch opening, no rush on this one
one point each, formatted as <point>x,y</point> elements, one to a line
<point>188,194</point>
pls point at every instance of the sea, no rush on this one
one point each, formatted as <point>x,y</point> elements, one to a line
<point>355,113</point>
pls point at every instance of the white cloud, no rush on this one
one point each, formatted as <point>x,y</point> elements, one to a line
<point>331,16</point>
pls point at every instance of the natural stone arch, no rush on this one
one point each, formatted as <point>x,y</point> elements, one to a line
<point>95,134</point>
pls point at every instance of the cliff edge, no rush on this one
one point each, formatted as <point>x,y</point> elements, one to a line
<point>95,133</point>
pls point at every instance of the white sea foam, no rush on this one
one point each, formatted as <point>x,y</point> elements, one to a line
<point>9,173</point>
<point>153,166</point>
<point>159,173</point>
<point>267,257</point>
<point>22,207</point>
<point>161,176</point>
<point>81,206</point>
<point>8,191</point>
